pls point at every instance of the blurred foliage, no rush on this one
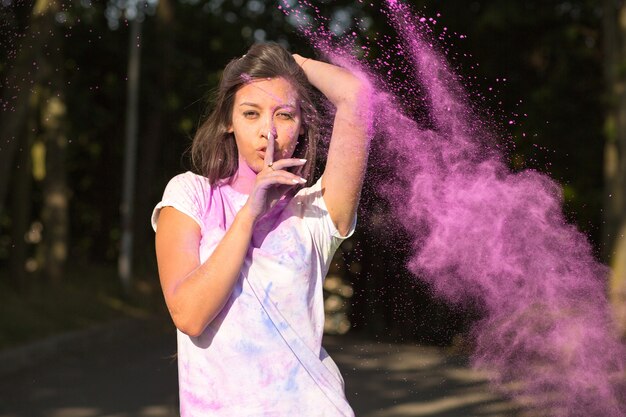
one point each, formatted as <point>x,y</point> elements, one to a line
<point>538,62</point>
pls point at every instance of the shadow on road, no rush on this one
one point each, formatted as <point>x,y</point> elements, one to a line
<point>401,380</point>
<point>128,374</point>
<point>133,374</point>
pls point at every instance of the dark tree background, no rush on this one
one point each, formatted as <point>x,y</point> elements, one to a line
<point>555,67</point>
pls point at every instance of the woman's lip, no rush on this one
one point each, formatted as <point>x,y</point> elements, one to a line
<point>261,154</point>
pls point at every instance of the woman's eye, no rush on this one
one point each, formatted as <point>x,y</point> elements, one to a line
<point>285,116</point>
<point>249,113</point>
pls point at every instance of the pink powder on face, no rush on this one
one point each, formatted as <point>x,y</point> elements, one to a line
<point>483,235</point>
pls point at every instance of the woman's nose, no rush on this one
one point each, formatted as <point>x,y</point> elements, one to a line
<point>268,128</point>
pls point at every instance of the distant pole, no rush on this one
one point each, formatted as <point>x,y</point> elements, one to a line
<point>125,261</point>
<point>614,232</point>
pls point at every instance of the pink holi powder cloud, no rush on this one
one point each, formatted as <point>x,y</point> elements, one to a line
<point>482,234</point>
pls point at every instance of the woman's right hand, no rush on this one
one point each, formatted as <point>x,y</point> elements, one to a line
<point>271,184</point>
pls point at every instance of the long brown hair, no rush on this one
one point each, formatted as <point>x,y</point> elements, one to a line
<point>214,151</point>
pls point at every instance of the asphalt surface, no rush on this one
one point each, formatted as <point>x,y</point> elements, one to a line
<point>132,373</point>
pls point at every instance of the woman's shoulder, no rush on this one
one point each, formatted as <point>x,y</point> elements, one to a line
<point>187,192</point>
<point>188,183</point>
<point>188,187</point>
<point>190,177</point>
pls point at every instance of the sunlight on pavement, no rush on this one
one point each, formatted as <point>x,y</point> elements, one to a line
<point>148,411</point>
<point>75,412</point>
<point>402,380</point>
<point>436,407</point>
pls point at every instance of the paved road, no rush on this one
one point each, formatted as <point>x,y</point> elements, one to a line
<point>133,374</point>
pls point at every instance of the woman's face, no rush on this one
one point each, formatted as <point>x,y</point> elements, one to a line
<point>261,107</point>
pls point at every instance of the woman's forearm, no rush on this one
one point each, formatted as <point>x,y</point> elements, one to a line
<point>199,297</point>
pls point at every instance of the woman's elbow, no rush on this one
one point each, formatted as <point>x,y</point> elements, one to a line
<point>188,324</point>
<point>190,329</point>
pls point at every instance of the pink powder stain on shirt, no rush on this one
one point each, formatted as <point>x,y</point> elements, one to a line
<point>483,234</point>
<point>191,404</point>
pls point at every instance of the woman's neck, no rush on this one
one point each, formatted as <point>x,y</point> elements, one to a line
<point>244,178</point>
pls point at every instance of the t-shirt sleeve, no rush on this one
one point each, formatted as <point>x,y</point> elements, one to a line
<point>187,193</point>
<point>319,222</point>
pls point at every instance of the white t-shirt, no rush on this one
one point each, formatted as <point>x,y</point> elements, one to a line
<point>262,354</point>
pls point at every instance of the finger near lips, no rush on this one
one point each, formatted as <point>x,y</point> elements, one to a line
<point>269,152</point>
<point>269,156</point>
<point>281,164</point>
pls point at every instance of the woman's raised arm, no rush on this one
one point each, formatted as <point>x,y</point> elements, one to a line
<point>347,155</point>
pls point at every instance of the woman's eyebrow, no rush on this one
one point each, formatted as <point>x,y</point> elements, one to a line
<point>280,106</point>
<point>286,106</point>
<point>246,103</point>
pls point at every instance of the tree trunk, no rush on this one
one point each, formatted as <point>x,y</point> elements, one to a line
<point>21,200</point>
<point>125,261</point>
<point>54,213</point>
<point>14,102</point>
<point>38,66</point>
<point>56,195</point>
<point>615,155</point>
<point>151,139</point>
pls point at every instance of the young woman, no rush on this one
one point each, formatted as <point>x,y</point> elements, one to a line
<point>243,247</point>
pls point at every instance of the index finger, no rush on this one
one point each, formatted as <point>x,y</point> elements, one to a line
<point>288,162</point>
<point>269,151</point>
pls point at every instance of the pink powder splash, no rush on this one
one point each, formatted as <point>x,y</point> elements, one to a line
<point>484,235</point>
